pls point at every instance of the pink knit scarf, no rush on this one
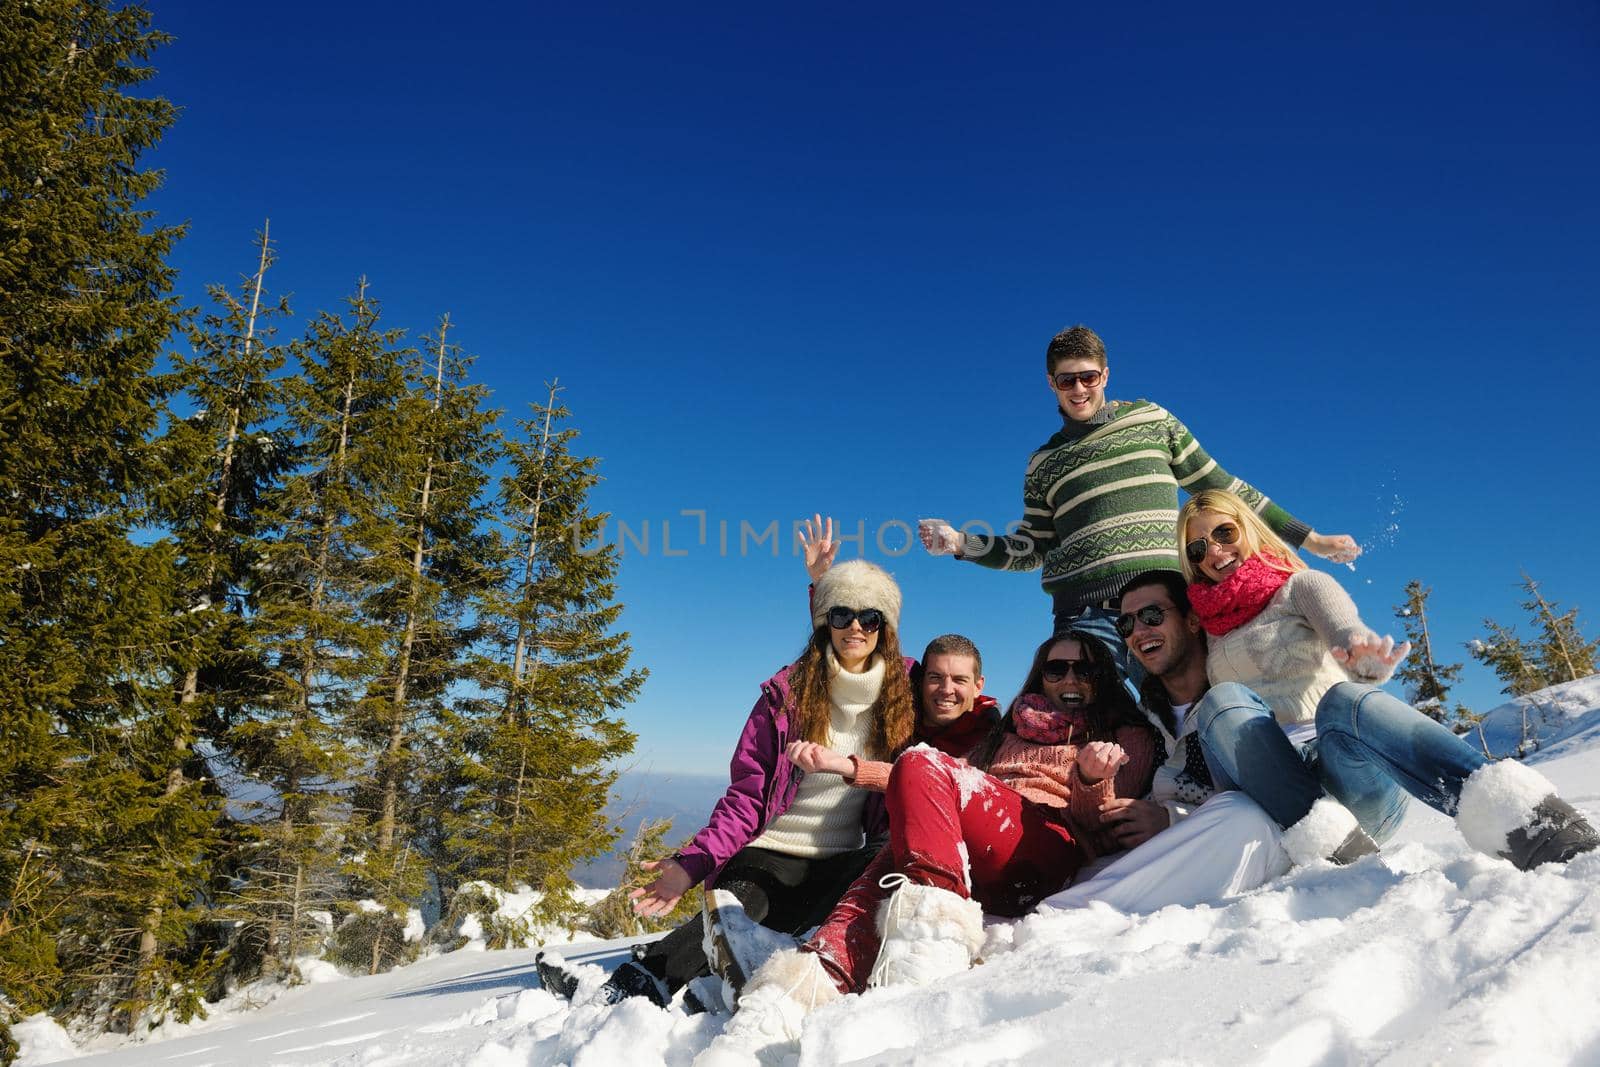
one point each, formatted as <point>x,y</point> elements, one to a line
<point>1239,597</point>
<point>1039,721</point>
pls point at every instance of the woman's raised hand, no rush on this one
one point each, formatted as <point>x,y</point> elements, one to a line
<point>1335,548</point>
<point>1099,760</point>
<point>820,547</point>
<point>1371,656</point>
<point>814,758</point>
<point>939,537</point>
<point>661,895</point>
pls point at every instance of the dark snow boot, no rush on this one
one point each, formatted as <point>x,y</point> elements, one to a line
<point>1327,832</point>
<point>632,979</point>
<point>554,974</point>
<point>1556,834</point>
<point>1353,847</point>
<point>718,908</point>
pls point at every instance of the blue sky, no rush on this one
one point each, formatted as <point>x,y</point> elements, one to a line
<point>802,259</point>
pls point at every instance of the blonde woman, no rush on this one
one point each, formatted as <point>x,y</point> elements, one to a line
<point>1289,639</point>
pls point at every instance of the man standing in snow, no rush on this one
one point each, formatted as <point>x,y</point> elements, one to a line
<point>1100,497</point>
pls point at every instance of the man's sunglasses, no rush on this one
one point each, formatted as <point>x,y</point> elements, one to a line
<point>1086,378</point>
<point>841,618</point>
<point>1225,533</point>
<point>1057,669</point>
<point>1150,615</point>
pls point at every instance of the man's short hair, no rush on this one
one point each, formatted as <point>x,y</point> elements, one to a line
<point>1078,342</point>
<point>1177,589</point>
<point>954,645</point>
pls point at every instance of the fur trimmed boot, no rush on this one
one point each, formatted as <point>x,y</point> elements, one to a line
<point>1510,810</point>
<point>1327,832</point>
<point>928,934</point>
<point>772,1011</point>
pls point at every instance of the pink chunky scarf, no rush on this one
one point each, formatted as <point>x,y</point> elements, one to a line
<point>1037,720</point>
<point>1239,597</point>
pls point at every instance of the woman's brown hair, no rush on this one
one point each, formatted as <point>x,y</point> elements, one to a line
<point>891,717</point>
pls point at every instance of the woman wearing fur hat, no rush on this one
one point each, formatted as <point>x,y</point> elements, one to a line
<point>785,843</point>
<point>1291,663</point>
<point>996,835</point>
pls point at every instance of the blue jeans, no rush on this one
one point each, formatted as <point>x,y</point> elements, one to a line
<point>1370,751</point>
<point>1246,749</point>
<point>1102,623</point>
<point>1370,745</point>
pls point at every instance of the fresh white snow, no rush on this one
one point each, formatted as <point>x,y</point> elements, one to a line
<point>1428,953</point>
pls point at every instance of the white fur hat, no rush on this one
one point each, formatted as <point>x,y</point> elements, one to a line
<point>858,585</point>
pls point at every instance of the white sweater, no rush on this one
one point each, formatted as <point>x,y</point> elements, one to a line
<point>1283,653</point>
<point>825,818</point>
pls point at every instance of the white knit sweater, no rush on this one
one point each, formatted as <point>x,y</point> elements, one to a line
<point>825,818</point>
<point>1283,653</point>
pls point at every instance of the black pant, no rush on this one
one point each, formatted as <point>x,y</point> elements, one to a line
<point>790,894</point>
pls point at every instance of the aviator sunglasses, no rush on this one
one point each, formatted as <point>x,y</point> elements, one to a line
<point>841,618</point>
<point>1225,533</point>
<point>1086,378</point>
<point>1150,615</point>
<point>1056,669</point>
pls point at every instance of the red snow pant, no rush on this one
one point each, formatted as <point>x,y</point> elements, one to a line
<point>1016,854</point>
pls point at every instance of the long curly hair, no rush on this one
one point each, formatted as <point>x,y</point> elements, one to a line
<point>1112,709</point>
<point>892,715</point>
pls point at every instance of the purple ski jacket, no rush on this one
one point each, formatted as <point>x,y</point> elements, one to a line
<point>761,786</point>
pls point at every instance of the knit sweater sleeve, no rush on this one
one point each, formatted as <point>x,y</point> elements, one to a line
<point>1024,548</point>
<point>871,774</point>
<point>1323,603</point>
<point>1195,471</point>
<point>1132,779</point>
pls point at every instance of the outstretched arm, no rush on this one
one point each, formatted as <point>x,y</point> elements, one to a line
<point>1020,550</point>
<point>1324,604</point>
<point>1335,548</point>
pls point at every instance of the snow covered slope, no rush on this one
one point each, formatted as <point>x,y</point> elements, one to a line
<point>1429,953</point>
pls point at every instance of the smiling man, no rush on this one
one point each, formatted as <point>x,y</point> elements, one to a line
<point>1190,840</point>
<point>953,715</point>
<point>1100,497</point>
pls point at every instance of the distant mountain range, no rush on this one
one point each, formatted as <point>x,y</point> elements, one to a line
<point>686,799</point>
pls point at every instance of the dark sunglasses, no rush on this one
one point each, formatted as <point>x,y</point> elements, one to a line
<point>841,618</point>
<point>1225,533</point>
<point>1086,378</point>
<point>1057,669</point>
<point>1150,615</point>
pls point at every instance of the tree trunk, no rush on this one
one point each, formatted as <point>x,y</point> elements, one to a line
<point>390,773</point>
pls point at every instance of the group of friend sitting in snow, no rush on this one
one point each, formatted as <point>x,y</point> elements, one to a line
<point>878,807</point>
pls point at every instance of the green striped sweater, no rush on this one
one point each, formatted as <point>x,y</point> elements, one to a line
<point>1100,504</point>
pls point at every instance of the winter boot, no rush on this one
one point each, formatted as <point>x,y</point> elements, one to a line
<point>1510,810</point>
<point>772,1011</point>
<point>1327,832</point>
<point>555,975</point>
<point>633,979</point>
<point>736,945</point>
<point>928,934</point>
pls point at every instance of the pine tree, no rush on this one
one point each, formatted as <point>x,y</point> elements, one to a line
<point>555,672</point>
<point>221,456</point>
<point>1427,681</point>
<point>424,554</point>
<point>318,649</point>
<point>1562,652</point>
<point>1512,659</point>
<point>91,841</point>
